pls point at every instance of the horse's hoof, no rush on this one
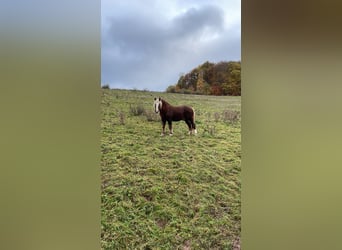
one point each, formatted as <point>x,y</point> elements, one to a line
<point>171,134</point>
<point>161,134</point>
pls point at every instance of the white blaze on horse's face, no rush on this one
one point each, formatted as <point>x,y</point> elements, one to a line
<point>157,104</point>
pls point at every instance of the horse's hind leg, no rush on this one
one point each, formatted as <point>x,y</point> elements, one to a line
<point>188,122</point>
<point>170,127</point>
<point>193,126</point>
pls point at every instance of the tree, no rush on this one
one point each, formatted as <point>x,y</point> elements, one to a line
<point>200,84</point>
<point>222,78</point>
<point>216,89</point>
<point>171,89</point>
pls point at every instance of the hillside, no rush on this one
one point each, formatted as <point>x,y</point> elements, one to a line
<point>223,78</point>
<point>171,192</point>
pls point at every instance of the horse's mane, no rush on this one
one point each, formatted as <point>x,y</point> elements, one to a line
<point>165,103</point>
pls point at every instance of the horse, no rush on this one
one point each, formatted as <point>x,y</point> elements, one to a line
<point>169,113</point>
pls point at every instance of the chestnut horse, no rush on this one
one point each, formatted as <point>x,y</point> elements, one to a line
<point>169,113</point>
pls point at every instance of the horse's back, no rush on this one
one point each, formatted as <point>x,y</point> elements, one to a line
<point>188,110</point>
<point>178,113</point>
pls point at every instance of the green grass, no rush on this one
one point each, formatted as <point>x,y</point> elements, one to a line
<point>171,192</point>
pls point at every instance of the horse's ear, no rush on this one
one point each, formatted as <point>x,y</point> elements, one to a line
<point>159,98</point>
<point>155,98</point>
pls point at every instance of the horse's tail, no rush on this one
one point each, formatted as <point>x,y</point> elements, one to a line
<point>193,114</point>
<point>193,121</point>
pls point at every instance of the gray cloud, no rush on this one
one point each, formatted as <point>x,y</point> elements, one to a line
<point>140,50</point>
<point>195,20</point>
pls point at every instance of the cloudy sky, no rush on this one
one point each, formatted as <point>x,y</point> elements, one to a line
<point>148,44</point>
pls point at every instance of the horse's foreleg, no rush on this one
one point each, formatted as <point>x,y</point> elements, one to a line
<point>170,127</point>
<point>163,132</point>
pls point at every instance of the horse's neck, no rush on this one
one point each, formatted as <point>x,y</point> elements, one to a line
<point>165,104</point>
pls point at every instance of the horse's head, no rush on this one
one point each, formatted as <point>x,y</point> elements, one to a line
<point>157,104</point>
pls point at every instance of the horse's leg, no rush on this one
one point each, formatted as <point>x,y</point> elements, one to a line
<point>189,125</point>
<point>193,125</point>
<point>170,127</point>
<point>163,132</point>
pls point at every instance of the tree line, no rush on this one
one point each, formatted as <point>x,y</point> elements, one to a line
<point>222,78</point>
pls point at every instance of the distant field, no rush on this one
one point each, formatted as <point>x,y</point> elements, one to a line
<point>171,192</point>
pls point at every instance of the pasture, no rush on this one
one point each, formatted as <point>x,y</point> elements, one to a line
<point>170,192</point>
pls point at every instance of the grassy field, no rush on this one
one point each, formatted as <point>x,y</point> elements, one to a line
<point>171,192</point>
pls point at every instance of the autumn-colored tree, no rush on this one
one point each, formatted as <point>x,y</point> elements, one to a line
<point>225,88</point>
<point>222,78</point>
<point>200,83</point>
<point>216,89</point>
